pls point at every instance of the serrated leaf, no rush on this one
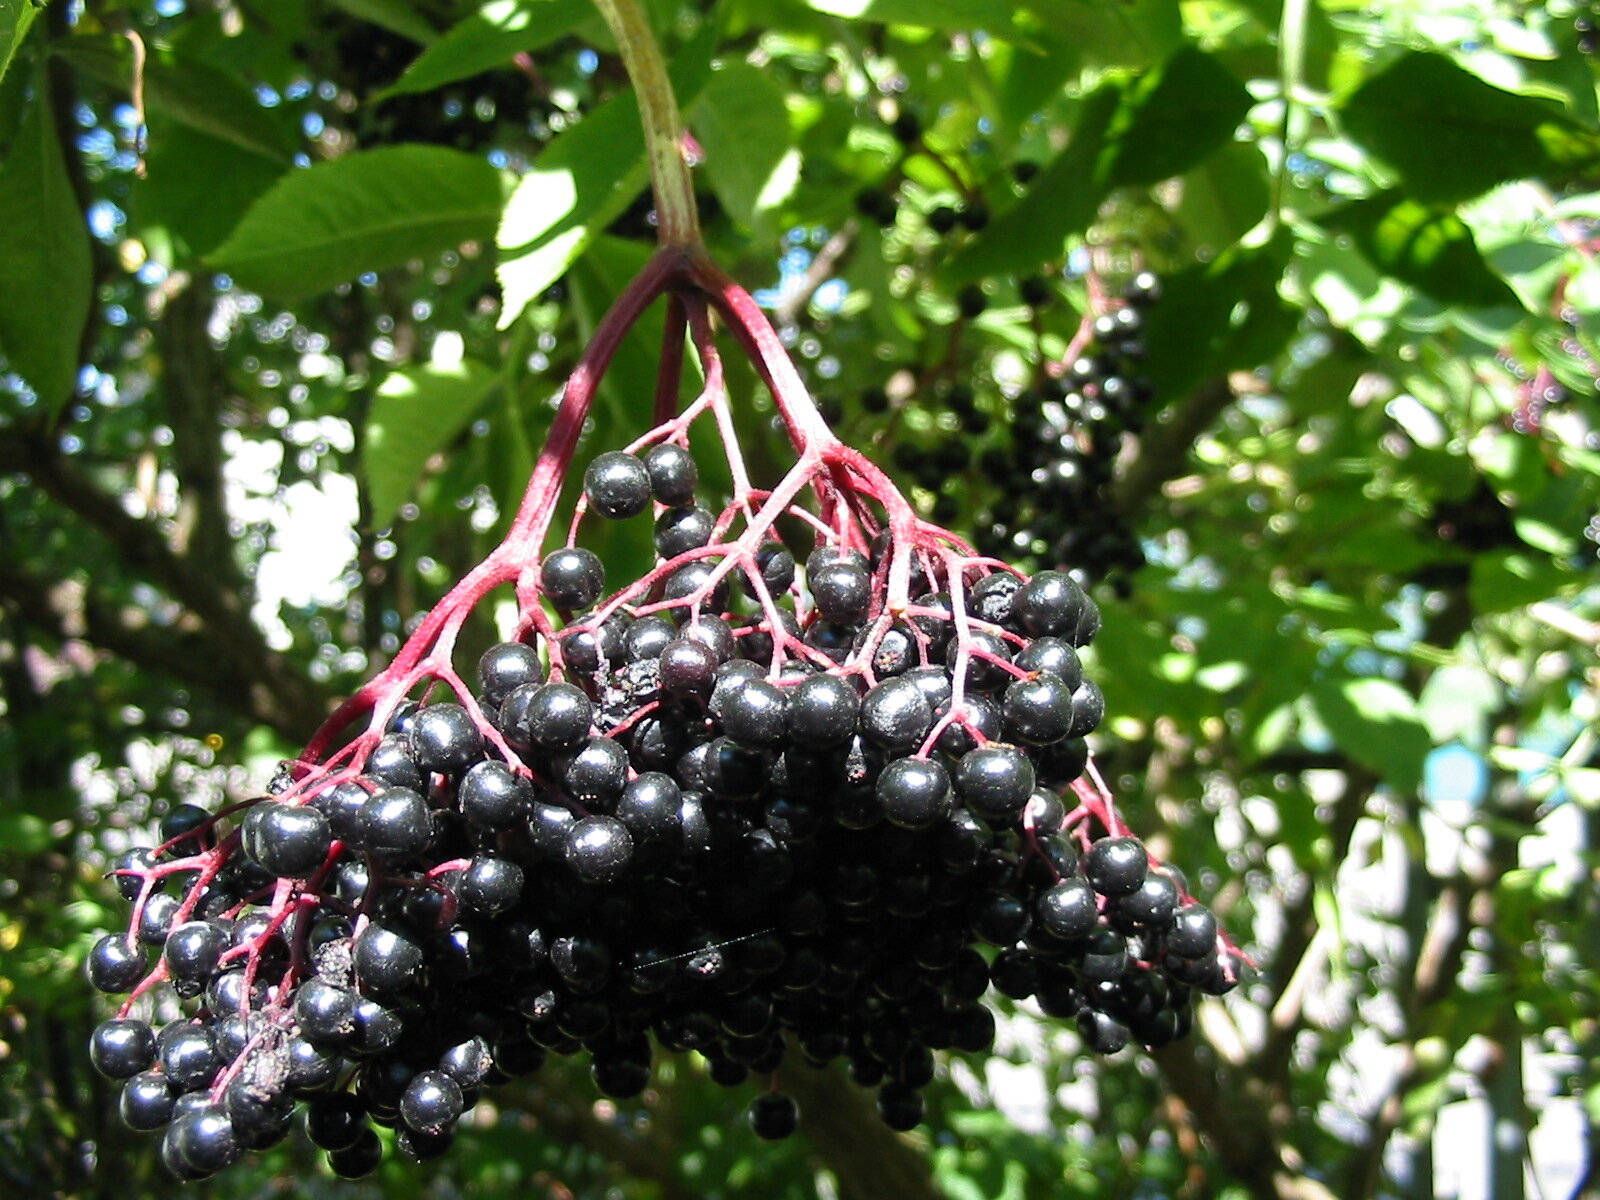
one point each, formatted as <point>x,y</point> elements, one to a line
<point>15,18</point>
<point>1450,135</point>
<point>742,125</point>
<point>1429,248</point>
<point>1170,118</point>
<point>46,272</point>
<point>1376,723</point>
<point>487,40</point>
<point>581,183</point>
<point>417,412</point>
<point>326,224</point>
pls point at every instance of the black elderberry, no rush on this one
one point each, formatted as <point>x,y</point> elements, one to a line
<point>508,665</point>
<point>842,590</point>
<point>1067,910</point>
<point>387,962</point>
<point>391,763</point>
<point>205,1140</point>
<point>1052,654</point>
<point>1116,866</point>
<point>971,301</point>
<point>1040,710</point>
<point>1050,604</point>
<point>193,950</point>
<point>1103,1034</point>
<point>900,1106</point>
<point>117,964</point>
<point>122,1047</point>
<point>752,713</point>
<point>984,653</point>
<point>572,578</point>
<point>822,711</point>
<point>1193,932</point>
<point>432,1102</point>
<point>681,529</point>
<point>599,849</point>
<point>617,485</point>
<point>492,797</point>
<point>594,773</point>
<point>188,1056</point>
<point>1035,291</point>
<point>445,739</point>
<point>128,870</point>
<point>914,793</point>
<point>995,782</point>
<point>360,1158</point>
<point>490,884</point>
<point>187,828</point>
<point>1152,905</point>
<point>395,824</point>
<point>896,715</point>
<point>289,840</point>
<point>548,716</point>
<point>672,472</point>
<point>774,1116</point>
<point>693,581</point>
<point>146,1101</point>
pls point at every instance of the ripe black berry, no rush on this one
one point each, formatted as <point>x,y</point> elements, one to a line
<point>122,1047</point>
<point>617,485</point>
<point>1116,866</point>
<point>914,793</point>
<point>673,474</point>
<point>774,1116</point>
<point>572,578</point>
<point>599,849</point>
<point>289,840</point>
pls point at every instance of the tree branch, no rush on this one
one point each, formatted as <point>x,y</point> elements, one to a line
<point>228,642</point>
<point>67,610</point>
<point>840,1120</point>
<point>1164,446</point>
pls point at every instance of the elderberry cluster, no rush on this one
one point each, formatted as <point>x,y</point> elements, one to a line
<point>1065,436</point>
<point>743,807</point>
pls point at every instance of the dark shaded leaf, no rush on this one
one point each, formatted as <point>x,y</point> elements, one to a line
<point>1451,136</point>
<point>1429,248</point>
<point>46,271</point>
<point>487,40</point>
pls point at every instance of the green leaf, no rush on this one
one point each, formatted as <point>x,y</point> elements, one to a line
<point>1170,118</point>
<point>1224,197</point>
<point>46,272</point>
<point>921,14</point>
<point>487,40</point>
<point>742,124</point>
<point>1450,135</point>
<point>1376,723</point>
<point>1142,132</point>
<point>416,413</point>
<point>397,16</point>
<point>326,224</point>
<point>205,99</point>
<point>1061,201</point>
<point>1221,316</point>
<point>581,183</point>
<point>1429,248</point>
<point>198,186</point>
<point>15,18</point>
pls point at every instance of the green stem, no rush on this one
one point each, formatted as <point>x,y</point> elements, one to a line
<point>678,221</point>
<point>1291,71</point>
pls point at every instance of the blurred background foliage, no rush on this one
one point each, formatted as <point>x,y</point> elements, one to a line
<point>286,291</point>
